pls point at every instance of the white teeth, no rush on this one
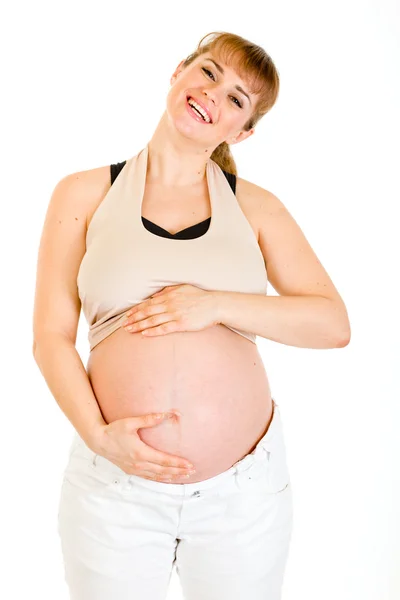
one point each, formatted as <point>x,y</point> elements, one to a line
<point>201,110</point>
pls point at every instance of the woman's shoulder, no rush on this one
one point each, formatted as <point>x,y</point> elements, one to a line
<point>88,187</point>
<point>257,198</point>
<point>257,203</point>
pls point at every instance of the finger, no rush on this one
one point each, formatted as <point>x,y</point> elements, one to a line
<point>168,327</point>
<point>157,470</point>
<point>150,318</point>
<point>164,460</point>
<point>162,479</point>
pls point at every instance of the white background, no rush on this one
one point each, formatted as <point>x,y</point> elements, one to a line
<point>84,86</point>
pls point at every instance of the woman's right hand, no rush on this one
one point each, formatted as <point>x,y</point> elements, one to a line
<point>120,443</point>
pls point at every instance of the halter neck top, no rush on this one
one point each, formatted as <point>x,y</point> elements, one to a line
<point>125,263</point>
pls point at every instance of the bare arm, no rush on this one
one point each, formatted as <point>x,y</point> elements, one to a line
<point>57,304</point>
<point>66,377</point>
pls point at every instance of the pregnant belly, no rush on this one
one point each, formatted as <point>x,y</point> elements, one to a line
<point>214,377</point>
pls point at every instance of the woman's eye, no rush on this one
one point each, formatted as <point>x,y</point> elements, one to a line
<point>207,71</point>
<point>237,101</point>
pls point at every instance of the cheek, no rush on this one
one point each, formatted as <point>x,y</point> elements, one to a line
<point>176,111</point>
<point>172,100</point>
<point>176,101</point>
<point>229,124</point>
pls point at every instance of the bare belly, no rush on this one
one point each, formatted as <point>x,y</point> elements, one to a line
<point>214,377</point>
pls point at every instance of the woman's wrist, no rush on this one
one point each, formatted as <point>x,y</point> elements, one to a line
<point>94,437</point>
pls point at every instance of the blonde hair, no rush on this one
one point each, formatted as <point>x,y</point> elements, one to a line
<point>254,66</point>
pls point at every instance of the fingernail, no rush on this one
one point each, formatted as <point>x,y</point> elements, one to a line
<point>176,412</point>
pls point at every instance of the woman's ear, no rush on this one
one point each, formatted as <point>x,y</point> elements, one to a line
<point>176,72</point>
<point>240,137</point>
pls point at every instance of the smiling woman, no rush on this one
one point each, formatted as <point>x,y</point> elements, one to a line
<point>108,246</point>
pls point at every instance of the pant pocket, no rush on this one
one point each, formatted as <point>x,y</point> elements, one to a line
<point>88,472</point>
<point>277,476</point>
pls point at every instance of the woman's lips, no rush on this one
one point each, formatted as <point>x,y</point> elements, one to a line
<point>194,114</point>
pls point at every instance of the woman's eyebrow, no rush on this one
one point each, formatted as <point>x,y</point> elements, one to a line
<point>220,69</point>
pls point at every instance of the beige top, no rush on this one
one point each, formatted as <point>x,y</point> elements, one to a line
<point>125,264</point>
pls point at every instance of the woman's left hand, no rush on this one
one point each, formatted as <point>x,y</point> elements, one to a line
<point>175,308</point>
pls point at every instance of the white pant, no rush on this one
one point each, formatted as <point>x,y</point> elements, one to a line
<point>228,536</point>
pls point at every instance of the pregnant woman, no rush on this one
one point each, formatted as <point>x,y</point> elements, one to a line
<point>168,254</point>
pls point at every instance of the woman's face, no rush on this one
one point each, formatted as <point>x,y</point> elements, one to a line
<point>218,92</point>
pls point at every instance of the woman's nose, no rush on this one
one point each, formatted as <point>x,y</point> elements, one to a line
<point>211,96</point>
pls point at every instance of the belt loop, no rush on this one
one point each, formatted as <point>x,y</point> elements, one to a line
<point>240,478</point>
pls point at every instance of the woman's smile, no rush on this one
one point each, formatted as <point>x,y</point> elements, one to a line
<point>193,113</point>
